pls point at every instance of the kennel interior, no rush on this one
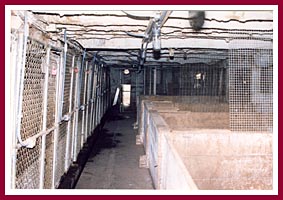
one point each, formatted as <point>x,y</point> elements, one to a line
<point>207,93</point>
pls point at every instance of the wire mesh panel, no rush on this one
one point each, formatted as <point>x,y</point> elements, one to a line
<point>251,86</point>
<point>60,153</point>
<point>32,107</point>
<point>203,80</point>
<point>48,160</point>
<point>27,166</point>
<point>67,83</point>
<point>53,70</point>
<point>69,130</point>
<point>79,129</point>
<point>75,81</point>
<point>51,104</point>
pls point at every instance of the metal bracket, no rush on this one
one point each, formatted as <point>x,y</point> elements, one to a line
<point>66,118</point>
<point>82,107</point>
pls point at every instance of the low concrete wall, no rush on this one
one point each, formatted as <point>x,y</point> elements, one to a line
<point>190,151</point>
<point>220,159</point>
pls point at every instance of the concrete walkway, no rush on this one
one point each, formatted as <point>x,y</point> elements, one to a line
<point>114,161</point>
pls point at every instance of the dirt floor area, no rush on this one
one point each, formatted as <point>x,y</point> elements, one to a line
<point>114,161</point>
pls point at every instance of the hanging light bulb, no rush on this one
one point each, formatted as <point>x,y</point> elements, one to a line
<point>126,71</point>
<point>171,53</point>
<point>185,56</point>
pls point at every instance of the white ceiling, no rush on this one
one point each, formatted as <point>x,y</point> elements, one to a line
<point>105,32</point>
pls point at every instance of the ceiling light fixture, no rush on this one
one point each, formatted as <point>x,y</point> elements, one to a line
<point>126,71</point>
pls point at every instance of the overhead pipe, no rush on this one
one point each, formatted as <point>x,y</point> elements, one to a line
<point>156,23</point>
<point>153,32</point>
<point>164,16</point>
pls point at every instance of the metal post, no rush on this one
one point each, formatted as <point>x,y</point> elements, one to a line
<point>149,92</point>
<point>84,120</point>
<point>214,81</point>
<point>44,120</point>
<point>17,92</point>
<point>166,82</point>
<point>84,134</point>
<point>88,102</point>
<point>78,103</point>
<point>154,80</point>
<point>163,73</point>
<point>93,100</point>
<point>180,82</point>
<point>22,59</point>
<point>97,95</point>
<point>59,79</point>
<point>68,138</point>
<point>75,119</point>
<point>121,96</point>
<point>220,82</point>
<point>109,90</point>
<point>137,79</point>
<point>144,81</point>
<point>227,83</point>
<point>20,72</point>
<point>100,92</point>
<point>10,122</point>
<point>63,72</point>
<point>93,90</point>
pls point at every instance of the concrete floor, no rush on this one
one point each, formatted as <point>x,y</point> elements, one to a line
<point>114,161</point>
